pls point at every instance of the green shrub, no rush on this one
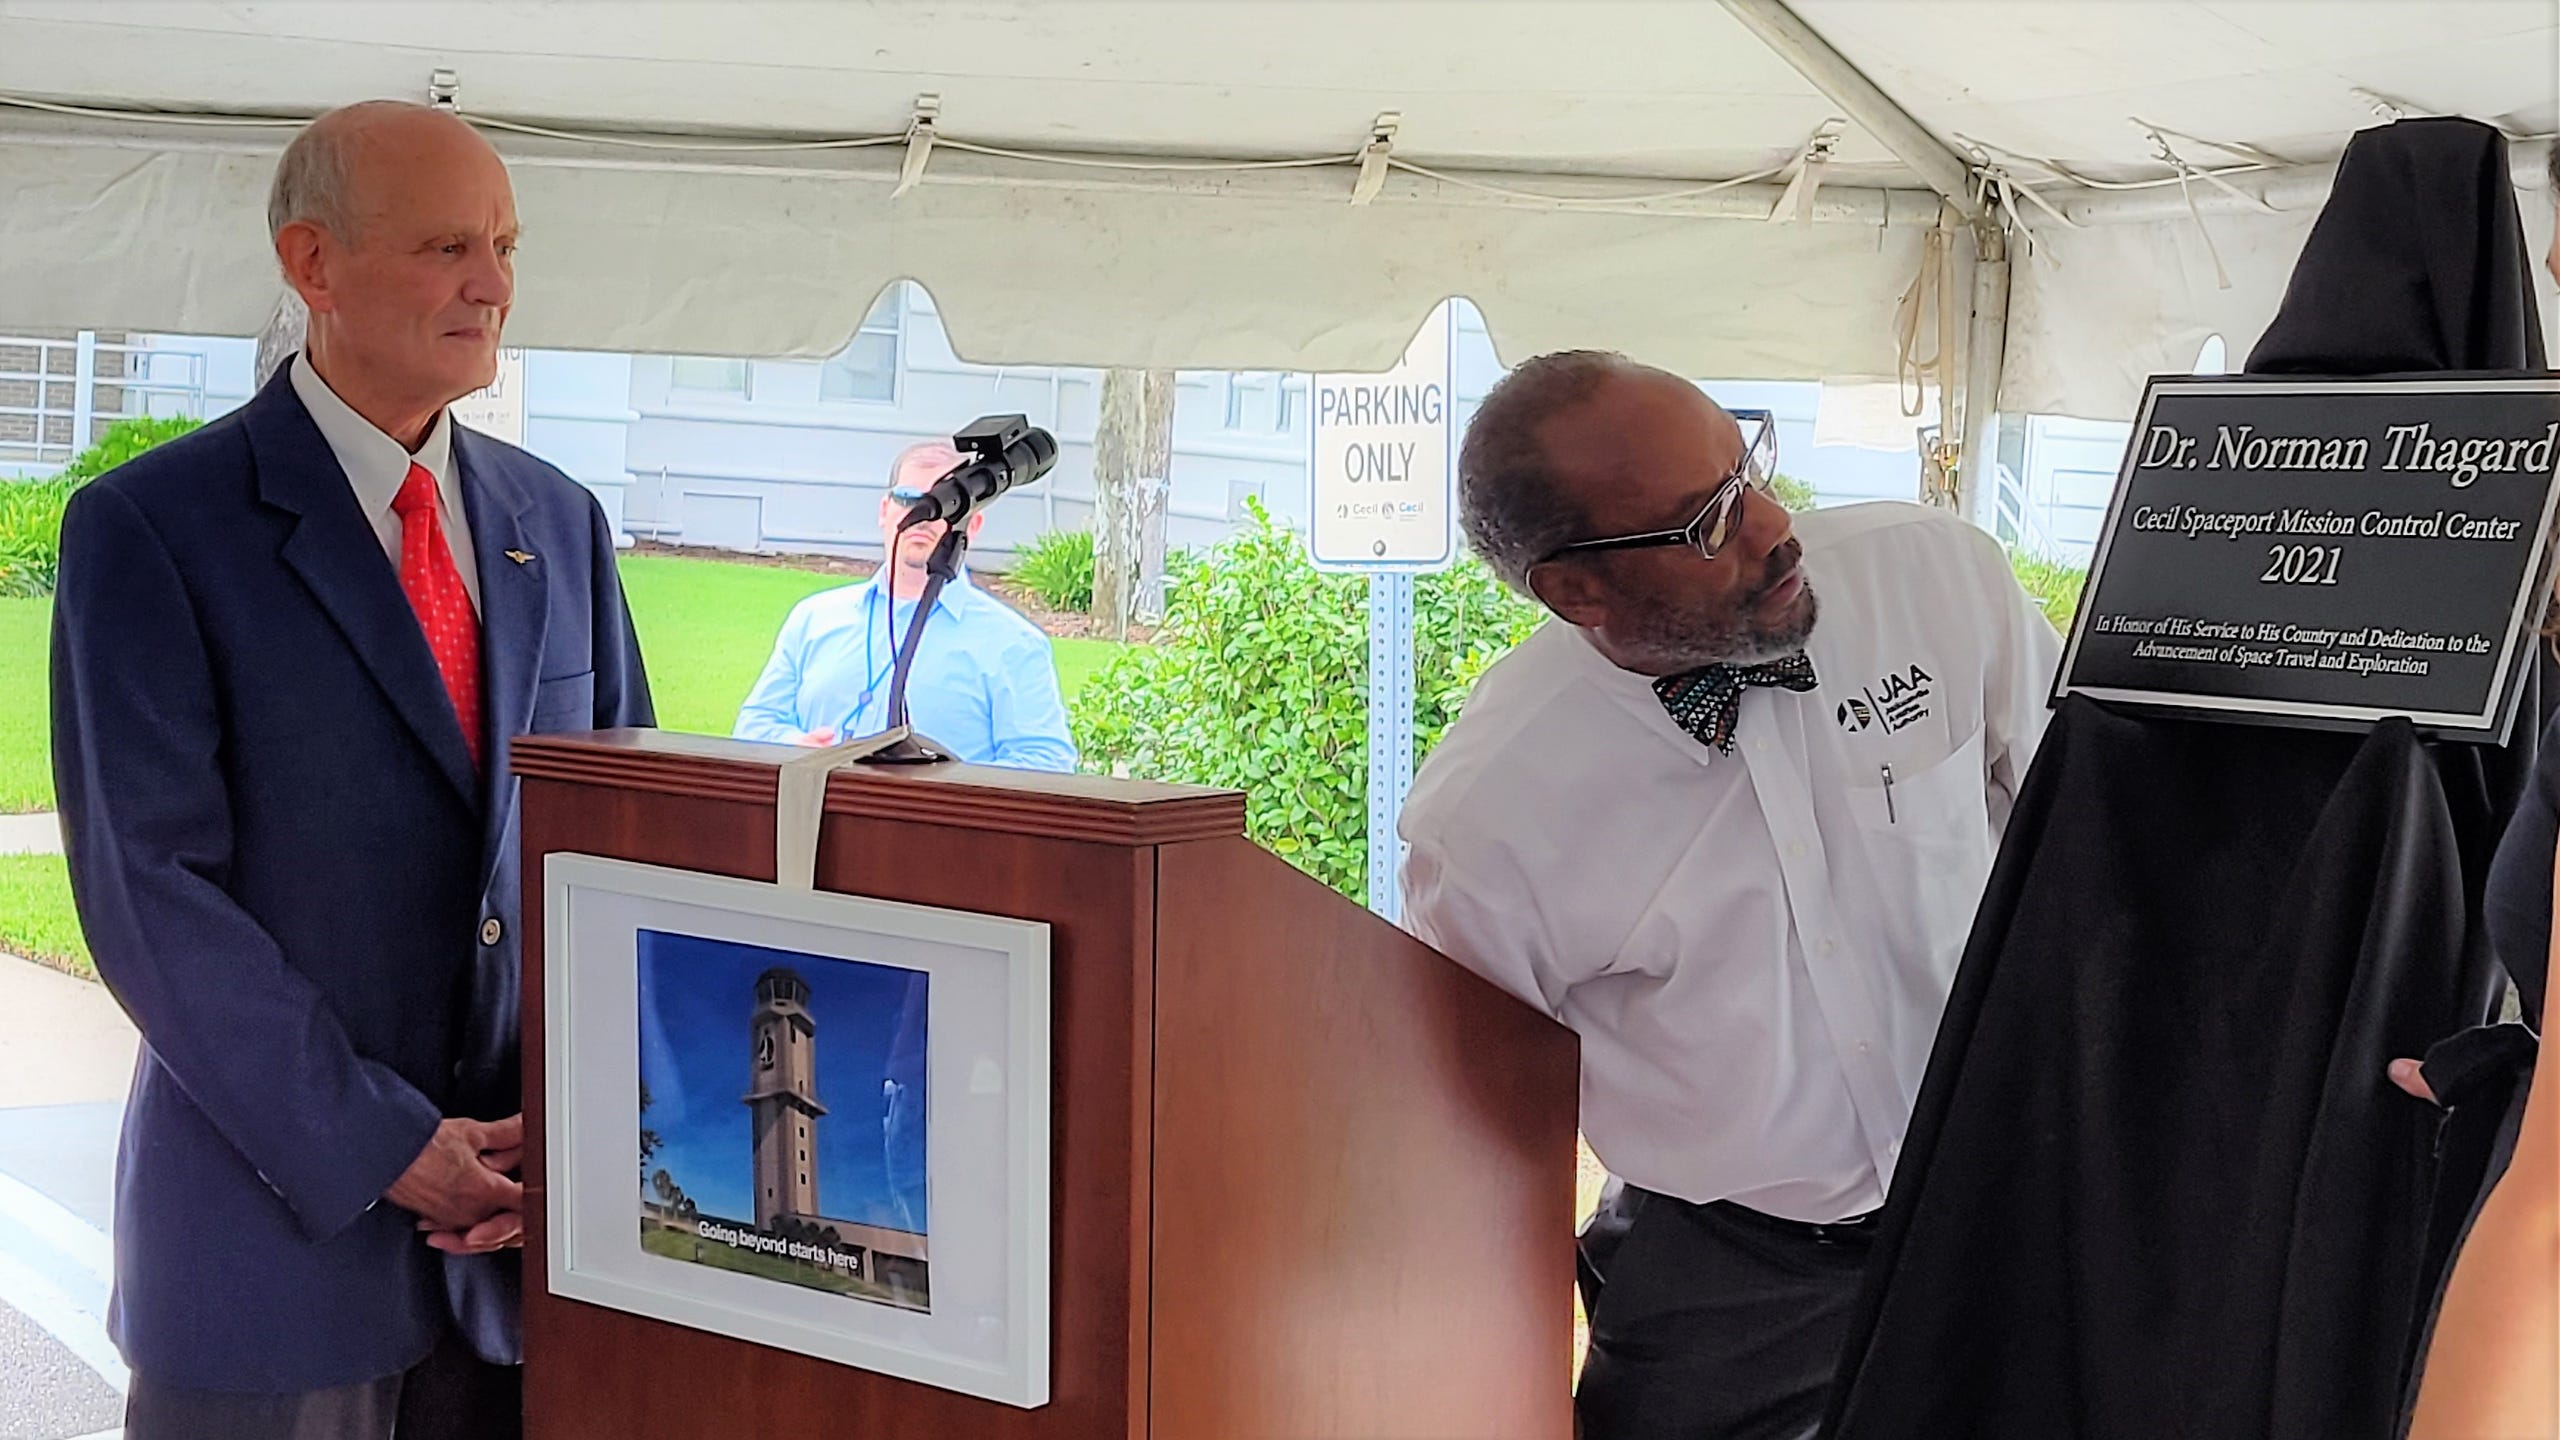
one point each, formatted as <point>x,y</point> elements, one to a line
<point>1259,681</point>
<point>31,534</point>
<point>1057,567</point>
<point>1791,492</point>
<point>125,439</point>
<point>2054,585</point>
<point>31,510</point>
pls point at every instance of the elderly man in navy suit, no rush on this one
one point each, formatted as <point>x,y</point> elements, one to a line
<point>290,652</point>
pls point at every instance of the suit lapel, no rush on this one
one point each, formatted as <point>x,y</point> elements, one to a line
<point>334,550</point>
<point>515,607</point>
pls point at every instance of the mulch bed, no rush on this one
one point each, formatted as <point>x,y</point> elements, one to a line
<point>1062,624</point>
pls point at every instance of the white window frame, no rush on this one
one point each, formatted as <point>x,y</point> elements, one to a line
<point>744,390</point>
<point>894,302</point>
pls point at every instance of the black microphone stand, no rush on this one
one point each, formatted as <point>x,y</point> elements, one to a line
<point>939,570</point>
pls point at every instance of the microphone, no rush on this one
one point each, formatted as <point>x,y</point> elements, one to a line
<point>997,453</point>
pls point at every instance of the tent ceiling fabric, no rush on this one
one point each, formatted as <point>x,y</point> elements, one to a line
<point>2065,80</point>
<point>771,265</point>
<point>2097,343</point>
<point>1628,87</point>
<point>1275,269</point>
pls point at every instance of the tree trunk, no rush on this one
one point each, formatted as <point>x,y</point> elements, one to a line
<point>1132,480</point>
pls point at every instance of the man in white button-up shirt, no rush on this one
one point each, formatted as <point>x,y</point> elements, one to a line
<point>1735,849</point>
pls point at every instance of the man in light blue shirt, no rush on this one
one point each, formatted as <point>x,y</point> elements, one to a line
<point>984,685</point>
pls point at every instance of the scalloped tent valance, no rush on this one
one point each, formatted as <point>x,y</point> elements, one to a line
<point>1632,109</point>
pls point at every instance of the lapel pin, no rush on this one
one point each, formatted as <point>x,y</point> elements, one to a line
<point>521,557</point>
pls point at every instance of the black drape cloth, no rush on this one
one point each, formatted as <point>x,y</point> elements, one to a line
<point>2417,262</point>
<point>2157,1183</point>
<point>2520,882</point>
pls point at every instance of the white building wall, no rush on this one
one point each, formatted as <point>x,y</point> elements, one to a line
<point>2071,475</point>
<point>578,416</point>
<point>783,469</point>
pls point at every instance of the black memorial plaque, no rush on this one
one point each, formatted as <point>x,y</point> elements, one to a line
<point>2325,553</point>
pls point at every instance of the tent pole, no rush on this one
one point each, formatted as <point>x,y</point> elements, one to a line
<point>1795,42</point>
<point>1948,173</point>
<point>1986,347</point>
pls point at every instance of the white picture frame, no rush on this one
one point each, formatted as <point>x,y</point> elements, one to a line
<point>986,980</point>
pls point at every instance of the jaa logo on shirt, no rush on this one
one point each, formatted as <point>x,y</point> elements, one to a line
<point>1893,702</point>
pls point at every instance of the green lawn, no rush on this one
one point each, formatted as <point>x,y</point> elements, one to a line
<point>1078,659</point>
<point>705,630</point>
<point>707,626</point>
<point>26,762</point>
<point>35,913</point>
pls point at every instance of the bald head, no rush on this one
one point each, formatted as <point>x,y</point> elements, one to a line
<point>396,224</point>
<point>1513,498</point>
<point>920,465</point>
<point>319,179</point>
<point>1586,445</point>
<point>915,470</point>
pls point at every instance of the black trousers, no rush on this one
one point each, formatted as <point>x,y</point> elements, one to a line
<point>1711,1322</point>
<point>453,1394</point>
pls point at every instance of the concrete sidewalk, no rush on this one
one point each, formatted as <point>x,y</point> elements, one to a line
<point>48,1392</point>
<point>66,1056</point>
<point>64,1041</point>
<point>38,834</point>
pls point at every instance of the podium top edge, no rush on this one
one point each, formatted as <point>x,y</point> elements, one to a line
<point>977,797</point>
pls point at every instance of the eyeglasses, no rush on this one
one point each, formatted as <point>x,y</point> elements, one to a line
<point>905,496</point>
<point>1723,513</point>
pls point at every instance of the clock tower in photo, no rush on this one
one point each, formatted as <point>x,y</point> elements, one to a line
<point>782,1095</point>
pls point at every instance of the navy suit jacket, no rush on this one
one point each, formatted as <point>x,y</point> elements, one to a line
<point>294,881</point>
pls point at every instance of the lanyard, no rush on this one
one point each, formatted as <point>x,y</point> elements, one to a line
<point>870,636</point>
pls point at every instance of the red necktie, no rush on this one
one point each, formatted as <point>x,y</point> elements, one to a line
<point>444,608</point>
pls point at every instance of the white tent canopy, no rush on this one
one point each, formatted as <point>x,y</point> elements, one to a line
<point>651,229</point>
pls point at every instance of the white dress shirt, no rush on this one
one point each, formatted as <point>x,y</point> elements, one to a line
<point>1755,948</point>
<point>377,467</point>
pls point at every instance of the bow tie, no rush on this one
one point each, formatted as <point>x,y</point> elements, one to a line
<point>1706,701</point>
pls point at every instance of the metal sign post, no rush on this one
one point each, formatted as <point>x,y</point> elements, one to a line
<point>1390,731</point>
<point>1380,467</point>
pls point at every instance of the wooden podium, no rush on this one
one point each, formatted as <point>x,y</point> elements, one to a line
<point>1309,1177</point>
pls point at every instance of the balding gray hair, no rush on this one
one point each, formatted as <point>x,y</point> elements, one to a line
<point>935,448</point>
<point>1511,502</point>
<point>315,178</point>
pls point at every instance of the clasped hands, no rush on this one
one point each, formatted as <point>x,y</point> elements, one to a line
<point>463,1189</point>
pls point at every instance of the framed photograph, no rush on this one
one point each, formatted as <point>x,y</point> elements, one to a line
<point>808,1120</point>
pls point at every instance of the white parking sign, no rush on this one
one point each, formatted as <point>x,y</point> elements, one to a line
<point>1383,462</point>
<point>498,409</point>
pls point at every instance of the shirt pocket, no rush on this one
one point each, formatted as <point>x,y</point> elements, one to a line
<point>1927,842</point>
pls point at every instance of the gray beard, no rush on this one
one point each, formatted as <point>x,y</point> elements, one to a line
<point>1677,642</point>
